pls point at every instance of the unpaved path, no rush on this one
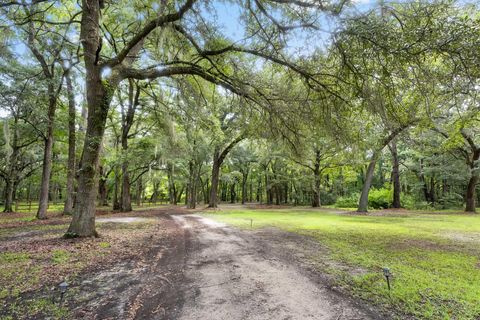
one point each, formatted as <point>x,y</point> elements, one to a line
<point>230,275</point>
<point>196,268</point>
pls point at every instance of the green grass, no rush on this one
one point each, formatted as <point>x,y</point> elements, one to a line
<point>434,257</point>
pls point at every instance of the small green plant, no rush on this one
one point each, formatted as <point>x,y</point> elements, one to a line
<point>60,256</point>
<point>104,245</point>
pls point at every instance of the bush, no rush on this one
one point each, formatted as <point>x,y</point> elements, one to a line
<point>380,198</point>
<point>327,198</point>
<point>350,201</point>
<point>450,200</point>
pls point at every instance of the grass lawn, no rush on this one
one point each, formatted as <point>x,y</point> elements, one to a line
<point>434,258</point>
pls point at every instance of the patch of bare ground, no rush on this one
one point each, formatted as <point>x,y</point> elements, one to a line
<point>38,258</point>
<point>144,286</point>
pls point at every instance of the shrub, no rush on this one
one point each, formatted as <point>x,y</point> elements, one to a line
<point>350,201</point>
<point>380,198</point>
<point>327,198</point>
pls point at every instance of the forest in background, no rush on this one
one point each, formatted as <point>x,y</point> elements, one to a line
<point>114,103</point>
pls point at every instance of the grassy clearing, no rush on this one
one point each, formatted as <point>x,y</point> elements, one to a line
<point>434,257</point>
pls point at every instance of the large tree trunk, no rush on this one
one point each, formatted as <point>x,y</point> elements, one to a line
<point>317,179</point>
<point>192,185</point>
<point>9,195</point>
<point>470,196</point>
<point>127,122</point>
<point>139,193</point>
<point>68,207</point>
<point>98,98</point>
<point>363,203</point>
<point>471,193</point>
<point>395,176</point>
<point>116,201</point>
<point>244,186</point>
<point>47,154</point>
<point>10,179</point>
<point>126,199</point>
<point>218,158</point>
<point>172,192</point>
<point>212,203</point>
<point>99,95</point>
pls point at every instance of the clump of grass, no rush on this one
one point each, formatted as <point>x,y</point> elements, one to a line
<point>104,245</point>
<point>60,256</point>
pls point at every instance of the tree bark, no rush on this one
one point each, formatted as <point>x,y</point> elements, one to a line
<point>316,203</point>
<point>68,207</point>
<point>470,205</point>
<point>47,154</point>
<point>192,185</point>
<point>99,95</point>
<point>218,158</point>
<point>102,188</point>
<point>470,201</point>
<point>127,122</point>
<point>363,203</point>
<point>395,175</point>
<point>244,186</point>
<point>212,201</point>
<point>172,192</point>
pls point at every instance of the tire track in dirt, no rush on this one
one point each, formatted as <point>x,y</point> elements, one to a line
<point>231,275</point>
<point>139,289</point>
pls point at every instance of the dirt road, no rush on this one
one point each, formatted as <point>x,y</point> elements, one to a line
<point>238,275</point>
<point>205,270</point>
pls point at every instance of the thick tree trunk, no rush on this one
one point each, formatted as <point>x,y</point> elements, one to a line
<point>317,179</point>
<point>139,194</point>
<point>395,176</point>
<point>102,189</point>
<point>218,158</point>
<point>363,203</point>
<point>179,195</point>
<point>192,185</point>
<point>116,201</point>
<point>172,192</point>
<point>212,203</point>
<point>99,95</point>
<point>68,207</point>
<point>470,196</point>
<point>47,155</point>
<point>244,186</point>
<point>9,195</point>
<point>127,122</point>
<point>471,193</point>
<point>10,181</point>
<point>126,199</point>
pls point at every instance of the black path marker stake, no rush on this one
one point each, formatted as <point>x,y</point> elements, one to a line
<point>387,274</point>
<point>251,223</point>
<point>63,288</point>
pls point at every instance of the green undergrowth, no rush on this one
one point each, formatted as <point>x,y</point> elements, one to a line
<point>434,258</point>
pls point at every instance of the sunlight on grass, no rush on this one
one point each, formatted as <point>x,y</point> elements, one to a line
<point>434,257</point>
